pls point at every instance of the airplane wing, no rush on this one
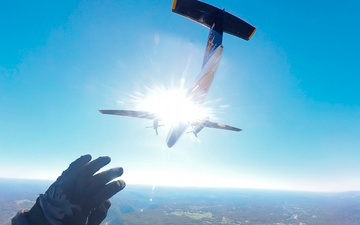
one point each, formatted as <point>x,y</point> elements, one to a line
<point>130,113</point>
<point>220,126</point>
<point>198,126</point>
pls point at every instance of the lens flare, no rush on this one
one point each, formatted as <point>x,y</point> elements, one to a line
<point>172,106</point>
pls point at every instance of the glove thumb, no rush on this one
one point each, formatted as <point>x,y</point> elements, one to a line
<point>99,214</point>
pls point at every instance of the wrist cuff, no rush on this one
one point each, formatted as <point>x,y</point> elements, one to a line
<point>36,216</point>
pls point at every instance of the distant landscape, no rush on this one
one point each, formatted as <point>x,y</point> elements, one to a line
<point>138,205</point>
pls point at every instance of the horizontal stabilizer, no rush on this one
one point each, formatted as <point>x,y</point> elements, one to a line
<point>209,15</point>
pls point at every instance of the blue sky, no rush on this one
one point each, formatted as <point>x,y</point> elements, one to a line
<point>293,89</point>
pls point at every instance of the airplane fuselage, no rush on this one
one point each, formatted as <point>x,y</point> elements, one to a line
<point>197,93</point>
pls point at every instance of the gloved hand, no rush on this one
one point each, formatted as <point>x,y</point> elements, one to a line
<point>99,214</point>
<point>78,197</point>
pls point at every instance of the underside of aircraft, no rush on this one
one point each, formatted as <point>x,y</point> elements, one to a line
<point>218,21</point>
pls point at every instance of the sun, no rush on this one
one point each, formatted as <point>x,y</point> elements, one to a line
<point>172,106</point>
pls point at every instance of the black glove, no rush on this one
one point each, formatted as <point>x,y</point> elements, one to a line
<point>99,214</point>
<point>78,197</point>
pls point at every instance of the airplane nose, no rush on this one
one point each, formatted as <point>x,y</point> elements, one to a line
<point>174,136</point>
<point>175,133</point>
<point>170,144</point>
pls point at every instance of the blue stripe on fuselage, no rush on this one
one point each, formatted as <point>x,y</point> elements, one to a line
<point>214,41</point>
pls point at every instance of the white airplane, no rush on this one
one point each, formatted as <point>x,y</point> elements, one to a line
<point>218,21</point>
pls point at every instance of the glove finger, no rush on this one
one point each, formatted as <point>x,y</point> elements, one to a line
<point>92,167</point>
<point>74,167</point>
<point>99,213</point>
<point>108,191</point>
<point>105,177</point>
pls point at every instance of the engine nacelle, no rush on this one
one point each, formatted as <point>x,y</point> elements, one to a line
<point>199,126</point>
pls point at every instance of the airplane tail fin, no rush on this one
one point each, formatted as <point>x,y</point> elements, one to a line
<point>216,19</point>
<point>214,41</point>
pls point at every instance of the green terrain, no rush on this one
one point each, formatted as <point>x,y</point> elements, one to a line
<point>138,205</point>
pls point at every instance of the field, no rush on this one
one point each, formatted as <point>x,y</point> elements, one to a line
<point>164,205</point>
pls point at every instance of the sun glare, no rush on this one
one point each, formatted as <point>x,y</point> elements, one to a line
<point>172,106</point>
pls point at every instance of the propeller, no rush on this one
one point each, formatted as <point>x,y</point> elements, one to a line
<point>195,135</point>
<point>155,126</point>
